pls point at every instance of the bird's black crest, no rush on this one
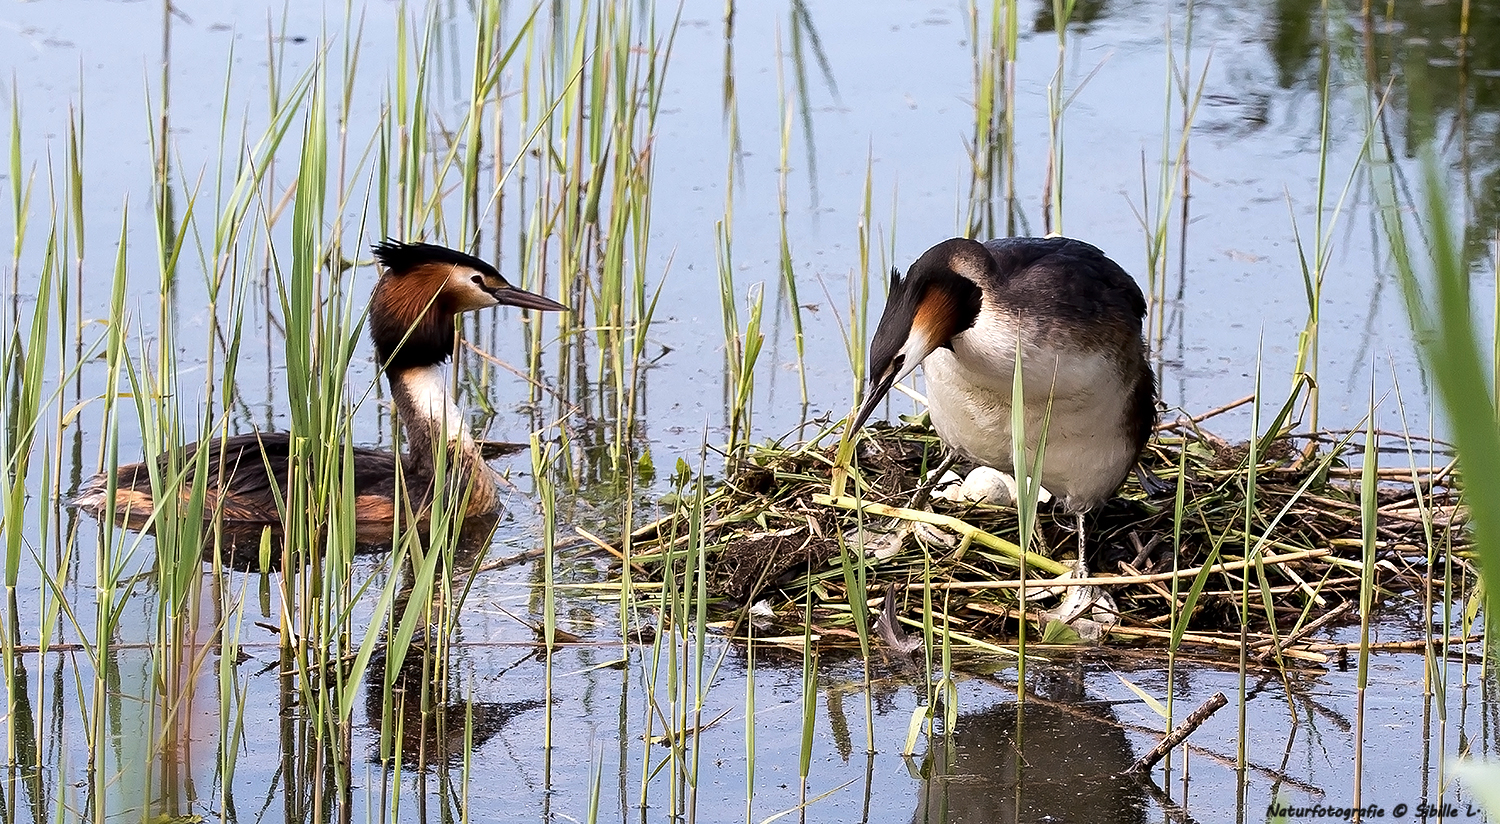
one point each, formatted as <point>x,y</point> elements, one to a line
<point>932,271</point>
<point>399,258</point>
<point>894,326</point>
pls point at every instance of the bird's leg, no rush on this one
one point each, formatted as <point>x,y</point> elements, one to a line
<point>1083,564</point>
<point>1086,602</point>
<point>919,498</point>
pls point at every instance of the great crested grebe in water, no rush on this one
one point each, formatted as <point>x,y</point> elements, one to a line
<point>422,289</point>
<point>963,310</point>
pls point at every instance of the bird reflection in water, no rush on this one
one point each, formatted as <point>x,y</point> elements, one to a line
<point>436,717</point>
<point>1054,759</point>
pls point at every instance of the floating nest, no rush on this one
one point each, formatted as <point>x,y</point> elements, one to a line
<point>1233,555</point>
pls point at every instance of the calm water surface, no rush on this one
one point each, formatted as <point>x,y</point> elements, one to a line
<point>895,104</point>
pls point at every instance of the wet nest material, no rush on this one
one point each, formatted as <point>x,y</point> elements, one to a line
<point>1268,557</point>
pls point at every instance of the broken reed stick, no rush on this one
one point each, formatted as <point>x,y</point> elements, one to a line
<point>1301,654</point>
<point>1197,419</point>
<point>1124,631</point>
<point>1313,652</point>
<point>647,532</point>
<point>1156,589</point>
<point>1144,764</point>
<point>1115,580</point>
<point>1393,646</point>
<point>604,545</point>
<point>1273,647</point>
<point>1437,514</point>
<point>1427,474</point>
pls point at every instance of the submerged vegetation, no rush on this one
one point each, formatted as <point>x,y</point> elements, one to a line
<point>208,280</point>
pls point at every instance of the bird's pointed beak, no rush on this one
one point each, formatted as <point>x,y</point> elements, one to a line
<point>511,296</point>
<point>877,392</point>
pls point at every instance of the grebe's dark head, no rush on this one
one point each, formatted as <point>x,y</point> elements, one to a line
<point>939,298</point>
<point>421,290</point>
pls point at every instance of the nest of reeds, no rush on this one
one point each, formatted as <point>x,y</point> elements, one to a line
<point>1262,543</point>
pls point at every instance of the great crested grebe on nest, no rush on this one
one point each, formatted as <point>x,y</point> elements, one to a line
<point>964,311</point>
<point>412,309</point>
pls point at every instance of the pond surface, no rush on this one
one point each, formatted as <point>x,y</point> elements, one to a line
<point>871,95</point>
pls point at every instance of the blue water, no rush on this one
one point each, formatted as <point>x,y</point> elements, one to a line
<point>900,109</point>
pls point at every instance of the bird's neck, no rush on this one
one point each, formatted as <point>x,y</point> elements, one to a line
<point>435,427</point>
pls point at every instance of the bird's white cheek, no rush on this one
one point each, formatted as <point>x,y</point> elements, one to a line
<point>919,344</point>
<point>468,294</point>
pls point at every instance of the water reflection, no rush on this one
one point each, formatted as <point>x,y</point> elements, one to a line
<point>1452,90</point>
<point>1003,762</point>
<point>24,773</point>
<point>1444,87</point>
<point>1051,758</point>
<point>421,712</point>
<point>433,733</point>
<point>1080,16</point>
